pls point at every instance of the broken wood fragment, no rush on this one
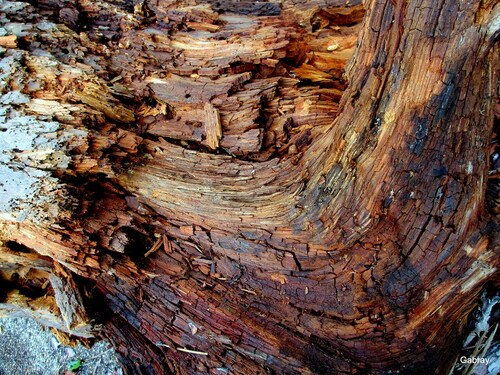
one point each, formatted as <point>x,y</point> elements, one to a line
<point>155,247</point>
<point>98,98</point>
<point>8,41</point>
<point>69,300</point>
<point>213,129</point>
<point>167,247</point>
<point>197,352</point>
<point>314,207</point>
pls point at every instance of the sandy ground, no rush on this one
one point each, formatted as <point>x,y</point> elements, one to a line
<point>28,349</point>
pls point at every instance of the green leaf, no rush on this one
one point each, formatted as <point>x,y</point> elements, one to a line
<point>74,365</point>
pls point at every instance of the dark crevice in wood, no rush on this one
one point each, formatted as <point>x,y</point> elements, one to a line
<point>20,248</point>
<point>23,286</point>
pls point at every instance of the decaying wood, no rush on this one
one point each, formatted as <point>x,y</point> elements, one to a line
<point>241,187</point>
<point>68,298</point>
<point>47,293</point>
<point>213,130</point>
<point>9,41</point>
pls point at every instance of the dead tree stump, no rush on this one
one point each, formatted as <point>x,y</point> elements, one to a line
<point>292,187</point>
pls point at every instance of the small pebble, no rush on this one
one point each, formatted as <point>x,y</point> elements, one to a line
<point>55,343</point>
<point>70,352</point>
<point>26,348</point>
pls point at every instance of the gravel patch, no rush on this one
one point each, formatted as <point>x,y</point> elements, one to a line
<point>28,349</point>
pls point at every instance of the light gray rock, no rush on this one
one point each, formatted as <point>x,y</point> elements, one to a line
<point>26,348</point>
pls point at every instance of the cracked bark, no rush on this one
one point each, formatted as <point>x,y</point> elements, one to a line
<point>229,203</point>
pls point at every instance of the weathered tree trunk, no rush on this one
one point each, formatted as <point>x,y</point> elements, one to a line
<point>184,166</point>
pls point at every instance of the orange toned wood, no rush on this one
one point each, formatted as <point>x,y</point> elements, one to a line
<point>320,183</point>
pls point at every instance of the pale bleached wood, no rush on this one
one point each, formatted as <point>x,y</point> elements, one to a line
<point>213,129</point>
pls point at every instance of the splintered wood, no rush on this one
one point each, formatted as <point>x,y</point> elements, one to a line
<point>61,308</point>
<point>206,171</point>
<point>8,41</point>
<point>218,81</point>
<point>213,129</point>
<point>68,298</point>
<point>234,68</point>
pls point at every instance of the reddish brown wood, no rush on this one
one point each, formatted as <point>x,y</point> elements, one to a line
<point>234,198</point>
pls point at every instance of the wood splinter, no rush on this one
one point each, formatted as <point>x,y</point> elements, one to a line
<point>191,351</point>
<point>213,129</point>
<point>167,247</point>
<point>299,205</point>
<point>8,41</point>
<point>248,291</point>
<point>155,247</point>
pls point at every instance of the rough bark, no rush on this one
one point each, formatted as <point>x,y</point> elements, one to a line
<point>239,201</point>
